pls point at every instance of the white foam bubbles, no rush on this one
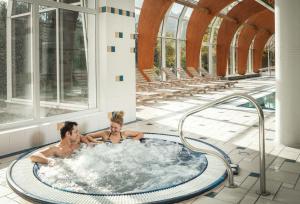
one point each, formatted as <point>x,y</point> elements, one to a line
<point>127,167</point>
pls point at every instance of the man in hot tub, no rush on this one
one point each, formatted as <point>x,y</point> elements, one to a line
<point>70,141</point>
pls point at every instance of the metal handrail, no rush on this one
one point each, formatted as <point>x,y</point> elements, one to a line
<point>263,190</point>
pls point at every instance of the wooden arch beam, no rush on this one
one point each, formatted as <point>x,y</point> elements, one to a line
<point>258,49</point>
<point>197,26</point>
<point>263,21</point>
<point>241,12</point>
<point>152,14</point>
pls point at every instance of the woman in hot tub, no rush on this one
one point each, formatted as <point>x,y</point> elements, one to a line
<point>115,135</point>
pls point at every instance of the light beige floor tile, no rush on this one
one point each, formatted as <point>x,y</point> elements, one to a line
<point>4,191</point>
<point>249,182</point>
<point>208,200</point>
<point>5,200</point>
<point>282,176</point>
<point>250,198</point>
<point>290,167</point>
<point>267,201</point>
<point>271,186</point>
<point>277,163</point>
<point>231,194</point>
<point>22,201</point>
<point>289,196</point>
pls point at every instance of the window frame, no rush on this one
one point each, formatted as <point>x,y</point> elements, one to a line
<point>93,84</point>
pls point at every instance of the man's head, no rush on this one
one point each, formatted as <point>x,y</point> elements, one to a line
<point>70,130</point>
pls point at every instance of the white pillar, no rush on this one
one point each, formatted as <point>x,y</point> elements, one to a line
<point>287,47</point>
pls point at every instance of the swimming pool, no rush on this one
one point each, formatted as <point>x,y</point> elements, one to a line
<point>266,102</point>
<point>207,172</point>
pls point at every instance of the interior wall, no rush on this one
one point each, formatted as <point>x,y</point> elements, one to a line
<point>115,75</point>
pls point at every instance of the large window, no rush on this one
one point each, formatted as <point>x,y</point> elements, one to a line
<point>16,100</point>
<point>204,57</point>
<point>170,53</point>
<point>157,54</point>
<point>59,76</point>
<point>64,46</point>
<point>183,53</point>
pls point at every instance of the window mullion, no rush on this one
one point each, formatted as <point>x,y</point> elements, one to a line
<point>9,50</point>
<point>35,60</point>
<point>57,57</point>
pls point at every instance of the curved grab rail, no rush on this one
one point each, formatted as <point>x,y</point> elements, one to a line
<point>212,153</point>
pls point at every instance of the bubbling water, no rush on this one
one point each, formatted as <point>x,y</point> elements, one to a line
<point>128,167</point>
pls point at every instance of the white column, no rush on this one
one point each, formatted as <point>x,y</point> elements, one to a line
<point>287,48</point>
<point>117,66</point>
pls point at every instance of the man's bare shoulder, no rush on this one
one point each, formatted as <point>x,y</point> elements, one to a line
<point>53,149</point>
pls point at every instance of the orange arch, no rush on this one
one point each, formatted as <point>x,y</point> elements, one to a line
<point>197,26</point>
<point>262,20</point>
<point>152,13</point>
<point>241,13</point>
<point>258,48</point>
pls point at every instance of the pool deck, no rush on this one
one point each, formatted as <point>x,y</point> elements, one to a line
<point>234,130</point>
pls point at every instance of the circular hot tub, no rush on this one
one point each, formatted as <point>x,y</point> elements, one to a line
<point>157,170</point>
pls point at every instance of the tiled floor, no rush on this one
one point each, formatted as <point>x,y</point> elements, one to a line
<point>235,131</point>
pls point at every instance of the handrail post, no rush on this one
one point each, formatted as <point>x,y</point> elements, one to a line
<point>260,112</point>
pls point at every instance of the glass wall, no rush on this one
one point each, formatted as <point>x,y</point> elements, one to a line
<point>170,53</point>
<point>268,59</point>
<point>157,53</point>
<point>16,78</point>
<point>57,78</point>
<point>64,36</point>
<point>3,46</point>
<point>183,53</point>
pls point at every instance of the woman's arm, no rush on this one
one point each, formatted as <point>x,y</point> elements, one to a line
<point>84,139</point>
<point>134,134</point>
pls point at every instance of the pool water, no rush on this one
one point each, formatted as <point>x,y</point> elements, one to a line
<point>125,168</point>
<point>266,102</point>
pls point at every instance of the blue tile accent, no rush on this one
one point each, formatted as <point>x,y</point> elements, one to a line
<point>111,48</point>
<point>120,35</point>
<point>211,194</point>
<point>241,147</point>
<point>121,78</point>
<point>116,11</point>
<point>254,174</point>
<point>290,160</point>
<point>120,12</point>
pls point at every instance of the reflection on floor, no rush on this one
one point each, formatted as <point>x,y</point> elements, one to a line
<point>233,129</point>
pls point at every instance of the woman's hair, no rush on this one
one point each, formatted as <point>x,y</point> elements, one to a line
<point>117,117</point>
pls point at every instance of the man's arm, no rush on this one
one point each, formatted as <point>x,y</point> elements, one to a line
<point>43,156</point>
<point>100,134</point>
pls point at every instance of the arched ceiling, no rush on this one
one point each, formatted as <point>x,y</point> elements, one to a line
<point>241,12</point>
<point>261,22</point>
<point>197,26</point>
<point>152,14</point>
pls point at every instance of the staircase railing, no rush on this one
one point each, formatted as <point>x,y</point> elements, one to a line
<point>260,112</point>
